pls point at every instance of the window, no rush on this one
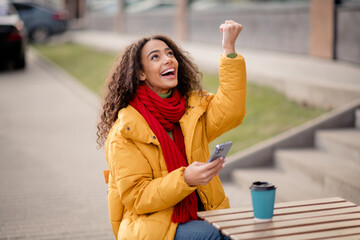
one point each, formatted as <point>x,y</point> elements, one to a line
<point>6,9</point>
<point>22,7</point>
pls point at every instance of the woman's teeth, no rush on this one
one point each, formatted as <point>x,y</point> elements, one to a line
<point>168,72</point>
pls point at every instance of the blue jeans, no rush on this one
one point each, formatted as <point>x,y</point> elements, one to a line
<point>198,230</point>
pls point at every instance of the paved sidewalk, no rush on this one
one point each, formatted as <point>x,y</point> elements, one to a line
<point>51,182</point>
<point>306,79</point>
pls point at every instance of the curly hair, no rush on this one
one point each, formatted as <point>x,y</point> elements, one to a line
<point>124,79</point>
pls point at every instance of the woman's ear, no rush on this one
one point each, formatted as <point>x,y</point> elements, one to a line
<point>142,76</point>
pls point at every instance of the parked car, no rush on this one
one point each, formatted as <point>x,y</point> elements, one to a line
<point>12,36</point>
<point>40,21</point>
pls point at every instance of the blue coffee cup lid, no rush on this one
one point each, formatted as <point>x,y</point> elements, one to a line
<point>262,186</point>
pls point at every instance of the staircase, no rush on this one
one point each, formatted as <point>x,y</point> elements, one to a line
<point>329,166</point>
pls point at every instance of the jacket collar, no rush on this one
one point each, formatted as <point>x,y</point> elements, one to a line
<point>134,126</point>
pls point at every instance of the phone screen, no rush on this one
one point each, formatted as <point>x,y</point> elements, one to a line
<point>221,150</point>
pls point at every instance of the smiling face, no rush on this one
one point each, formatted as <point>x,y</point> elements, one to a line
<point>160,66</point>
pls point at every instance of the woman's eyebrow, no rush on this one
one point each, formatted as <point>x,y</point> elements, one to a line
<point>154,51</point>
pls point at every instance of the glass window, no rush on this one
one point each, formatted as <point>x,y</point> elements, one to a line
<point>6,8</point>
<point>22,7</point>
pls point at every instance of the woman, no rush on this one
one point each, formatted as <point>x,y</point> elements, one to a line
<point>157,123</point>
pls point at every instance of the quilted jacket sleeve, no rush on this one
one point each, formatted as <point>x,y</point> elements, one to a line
<point>227,109</point>
<point>139,191</point>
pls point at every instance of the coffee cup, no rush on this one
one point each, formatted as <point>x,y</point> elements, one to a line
<point>263,199</point>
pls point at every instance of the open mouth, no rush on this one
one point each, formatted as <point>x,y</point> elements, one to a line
<point>168,73</point>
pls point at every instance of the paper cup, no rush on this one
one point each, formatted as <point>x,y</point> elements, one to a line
<point>263,199</point>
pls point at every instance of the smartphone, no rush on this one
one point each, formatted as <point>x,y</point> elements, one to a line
<point>221,150</point>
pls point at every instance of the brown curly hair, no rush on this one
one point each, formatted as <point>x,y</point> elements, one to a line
<point>124,80</point>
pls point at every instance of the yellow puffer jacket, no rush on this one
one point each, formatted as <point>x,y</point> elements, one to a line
<point>141,192</point>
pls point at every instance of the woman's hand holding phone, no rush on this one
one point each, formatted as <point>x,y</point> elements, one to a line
<point>199,173</point>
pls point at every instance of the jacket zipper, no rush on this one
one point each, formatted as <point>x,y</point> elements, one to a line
<point>206,203</point>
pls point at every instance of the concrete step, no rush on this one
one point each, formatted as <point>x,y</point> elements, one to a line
<point>357,118</point>
<point>336,174</point>
<point>290,186</point>
<point>239,197</point>
<point>341,142</point>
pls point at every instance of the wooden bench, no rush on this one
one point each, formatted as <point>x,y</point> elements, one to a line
<point>329,218</point>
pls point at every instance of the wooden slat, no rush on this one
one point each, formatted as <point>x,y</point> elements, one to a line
<point>313,208</point>
<point>277,205</point>
<point>221,218</point>
<point>288,224</point>
<point>309,202</point>
<point>345,233</point>
<point>223,211</point>
<point>244,222</point>
<point>347,237</point>
<point>297,230</point>
<point>281,211</point>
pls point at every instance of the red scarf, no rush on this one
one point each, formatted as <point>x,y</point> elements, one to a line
<point>163,115</point>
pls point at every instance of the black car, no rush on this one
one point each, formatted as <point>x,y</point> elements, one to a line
<point>40,21</point>
<point>12,36</point>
